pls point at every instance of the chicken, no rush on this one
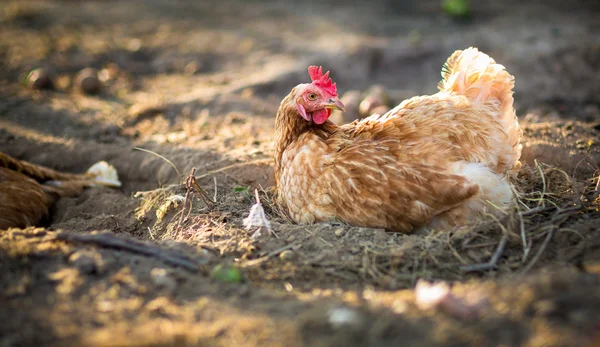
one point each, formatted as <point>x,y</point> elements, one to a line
<point>436,161</point>
<point>27,191</point>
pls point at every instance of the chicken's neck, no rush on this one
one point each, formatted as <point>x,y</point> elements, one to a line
<point>289,126</point>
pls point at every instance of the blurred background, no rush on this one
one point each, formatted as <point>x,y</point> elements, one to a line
<point>551,46</point>
<point>193,73</point>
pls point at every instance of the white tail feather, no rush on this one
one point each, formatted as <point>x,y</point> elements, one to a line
<point>477,76</point>
<point>104,174</point>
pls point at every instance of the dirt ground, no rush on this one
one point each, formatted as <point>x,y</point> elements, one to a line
<point>198,83</point>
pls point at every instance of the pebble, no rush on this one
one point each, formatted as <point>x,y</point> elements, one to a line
<point>339,232</point>
<point>344,316</point>
<point>39,79</point>
<point>287,255</point>
<point>87,82</point>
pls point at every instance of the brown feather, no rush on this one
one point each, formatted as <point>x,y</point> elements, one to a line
<point>27,191</point>
<point>431,160</point>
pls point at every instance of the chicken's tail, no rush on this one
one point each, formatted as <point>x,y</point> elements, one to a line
<point>477,76</point>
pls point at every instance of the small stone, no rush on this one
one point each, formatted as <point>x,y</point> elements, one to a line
<point>339,232</point>
<point>39,79</point>
<point>87,81</point>
<point>343,316</point>
<point>161,279</point>
<point>109,72</point>
<point>84,261</point>
<point>191,68</point>
<point>287,255</point>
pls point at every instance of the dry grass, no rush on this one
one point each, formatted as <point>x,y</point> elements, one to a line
<point>548,201</point>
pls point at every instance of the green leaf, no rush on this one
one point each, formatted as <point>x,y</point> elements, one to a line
<point>457,8</point>
<point>241,189</point>
<point>227,273</point>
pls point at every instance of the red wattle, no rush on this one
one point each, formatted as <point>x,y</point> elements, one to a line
<point>320,116</point>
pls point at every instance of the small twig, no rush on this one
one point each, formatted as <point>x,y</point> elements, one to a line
<point>493,263</point>
<point>555,224</point>
<point>275,253</point>
<point>539,167</point>
<point>535,210</point>
<point>225,168</point>
<point>163,158</point>
<point>112,241</point>
<point>215,196</point>
<point>186,203</point>
<point>540,251</point>
<point>192,187</point>
<point>192,184</point>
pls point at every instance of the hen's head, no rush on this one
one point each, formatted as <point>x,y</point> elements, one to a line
<point>316,100</point>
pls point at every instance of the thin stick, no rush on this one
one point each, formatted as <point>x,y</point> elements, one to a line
<point>163,158</point>
<point>260,161</point>
<point>186,203</point>
<point>112,241</point>
<point>261,260</point>
<point>540,251</point>
<point>539,167</point>
<point>493,263</point>
<point>215,196</point>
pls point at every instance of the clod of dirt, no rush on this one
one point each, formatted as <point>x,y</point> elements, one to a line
<point>84,261</point>
<point>88,262</point>
<point>39,79</point>
<point>162,279</point>
<point>87,81</point>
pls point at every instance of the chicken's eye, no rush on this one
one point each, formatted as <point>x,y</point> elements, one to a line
<point>312,97</point>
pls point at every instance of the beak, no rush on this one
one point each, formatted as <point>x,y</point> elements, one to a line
<point>334,104</point>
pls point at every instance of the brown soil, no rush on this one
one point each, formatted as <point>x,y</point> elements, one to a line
<point>199,83</point>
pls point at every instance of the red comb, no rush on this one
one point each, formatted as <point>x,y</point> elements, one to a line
<point>322,81</point>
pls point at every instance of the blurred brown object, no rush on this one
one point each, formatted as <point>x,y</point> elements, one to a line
<point>27,191</point>
<point>351,100</point>
<point>87,81</point>
<point>376,98</point>
<point>39,79</point>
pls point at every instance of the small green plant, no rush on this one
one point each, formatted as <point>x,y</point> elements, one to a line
<point>227,273</point>
<point>241,189</point>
